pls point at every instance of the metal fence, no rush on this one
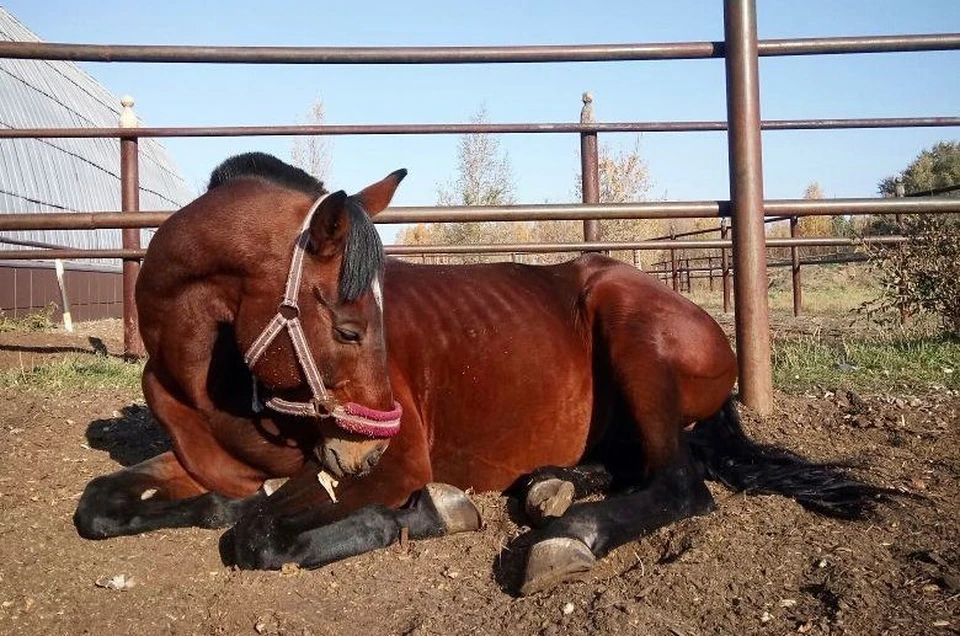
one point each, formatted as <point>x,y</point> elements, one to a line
<point>748,244</point>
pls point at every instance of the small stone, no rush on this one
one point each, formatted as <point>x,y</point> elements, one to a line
<point>568,609</point>
<point>289,569</point>
<point>930,588</point>
<point>119,582</point>
<point>451,573</point>
<point>766,617</point>
<point>788,602</point>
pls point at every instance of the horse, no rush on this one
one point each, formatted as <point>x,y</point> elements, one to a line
<point>322,400</point>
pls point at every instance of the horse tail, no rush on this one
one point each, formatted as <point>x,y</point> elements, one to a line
<point>727,455</point>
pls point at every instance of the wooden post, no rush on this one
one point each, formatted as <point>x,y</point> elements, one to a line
<point>67,318</point>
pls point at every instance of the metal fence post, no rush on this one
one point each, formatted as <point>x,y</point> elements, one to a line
<point>746,194</point>
<point>589,169</point>
<point>130,202</point>
<point>673,260</point>
<point>725,265</point>
<point>795,267</point>
<point>900,192</point>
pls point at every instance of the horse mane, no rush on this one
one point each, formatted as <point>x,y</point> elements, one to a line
<point>260,164</point>
<point>363,256</point>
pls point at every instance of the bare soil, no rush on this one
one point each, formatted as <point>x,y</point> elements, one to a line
<point>757,565</point>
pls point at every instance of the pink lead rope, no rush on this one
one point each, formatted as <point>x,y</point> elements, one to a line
<point>352,417</point>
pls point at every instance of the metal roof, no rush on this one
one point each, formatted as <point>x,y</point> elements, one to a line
<point>83,175</point>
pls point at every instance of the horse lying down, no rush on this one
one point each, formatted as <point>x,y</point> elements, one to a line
<point>287,353</point>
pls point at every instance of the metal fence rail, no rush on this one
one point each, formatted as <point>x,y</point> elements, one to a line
<point>470,54</point>
<point>520,213</point>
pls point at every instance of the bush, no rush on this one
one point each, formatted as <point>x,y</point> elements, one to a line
<point>922,275</point>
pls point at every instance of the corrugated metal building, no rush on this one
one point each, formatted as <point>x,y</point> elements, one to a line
<point>56,175</point>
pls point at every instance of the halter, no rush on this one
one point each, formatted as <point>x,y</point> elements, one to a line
<point>352,417</point>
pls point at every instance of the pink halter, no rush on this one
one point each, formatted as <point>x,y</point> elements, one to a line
<point>352,417</point>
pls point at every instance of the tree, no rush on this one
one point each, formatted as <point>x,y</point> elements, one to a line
<point>483,171</point>
<point>937,167</point>
<point>624,177</point>
<point>312,153</point>
<point>483,178</point>
<point>923,275</point>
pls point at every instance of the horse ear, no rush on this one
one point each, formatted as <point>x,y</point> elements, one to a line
<point>330,225</point>
<point>375,198</point>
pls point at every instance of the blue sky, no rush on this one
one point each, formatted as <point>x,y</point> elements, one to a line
<point>682,165</point>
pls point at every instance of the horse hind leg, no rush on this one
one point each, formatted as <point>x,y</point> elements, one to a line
<point>157,493</point>
<point>568,547</point>
<point>549,491</point>
<point>671,487</point>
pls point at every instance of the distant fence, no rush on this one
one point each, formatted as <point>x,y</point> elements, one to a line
<point>747,241</point>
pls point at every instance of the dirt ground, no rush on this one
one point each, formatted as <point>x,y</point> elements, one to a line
<point>758,565</point>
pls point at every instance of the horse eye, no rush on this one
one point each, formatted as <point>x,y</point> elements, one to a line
<point>346,335</point>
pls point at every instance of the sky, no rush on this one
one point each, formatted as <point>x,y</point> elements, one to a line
<point>683,166</point>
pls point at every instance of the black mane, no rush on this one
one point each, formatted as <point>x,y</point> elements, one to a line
<point>363,256</point>
<point>260,164</point>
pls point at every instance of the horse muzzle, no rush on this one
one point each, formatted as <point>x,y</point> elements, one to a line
<point>342,457</point>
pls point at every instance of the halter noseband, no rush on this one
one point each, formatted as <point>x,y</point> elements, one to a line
<point>352,417</point>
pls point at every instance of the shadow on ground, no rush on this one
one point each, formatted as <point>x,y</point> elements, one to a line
<point>131,438</point>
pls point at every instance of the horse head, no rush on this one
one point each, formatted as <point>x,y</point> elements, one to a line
<point>330,365</point>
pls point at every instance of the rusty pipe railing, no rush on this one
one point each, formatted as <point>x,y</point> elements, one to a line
<point>497,248</point>
<point>468,54</point>
<point>487,128</point>
<point>528,212</point>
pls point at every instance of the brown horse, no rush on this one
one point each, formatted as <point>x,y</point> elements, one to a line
<point>283,345</point>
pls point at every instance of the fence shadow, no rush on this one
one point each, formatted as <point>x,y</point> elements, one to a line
<point>131,438</point>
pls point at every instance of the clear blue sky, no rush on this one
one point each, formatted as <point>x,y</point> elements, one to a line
<point>683,166</point>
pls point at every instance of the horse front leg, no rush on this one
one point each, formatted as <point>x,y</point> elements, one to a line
<point>157,493</point>
<point>310,521</point>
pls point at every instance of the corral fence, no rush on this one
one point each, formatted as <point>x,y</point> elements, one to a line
<point>745,237</point>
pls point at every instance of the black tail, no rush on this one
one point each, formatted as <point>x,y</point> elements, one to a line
<point>742,464</point>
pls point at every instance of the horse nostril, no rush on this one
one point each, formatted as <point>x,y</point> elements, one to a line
<point>372,459</point>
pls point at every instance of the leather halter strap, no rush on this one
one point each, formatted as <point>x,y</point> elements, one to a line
<point>350,416</point>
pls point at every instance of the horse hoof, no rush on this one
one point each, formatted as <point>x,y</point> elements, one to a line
<point>547,499</point>
<point>456,511</point>
<point>554,561</point>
